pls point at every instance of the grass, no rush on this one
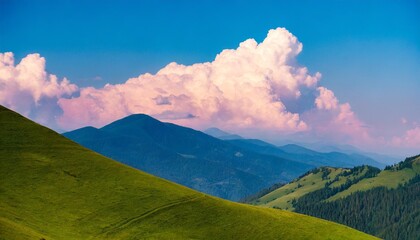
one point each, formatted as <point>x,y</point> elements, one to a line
<point>386,178</point>
<point>343,179</point>
<point>282,197</point>
<point>52,188</point>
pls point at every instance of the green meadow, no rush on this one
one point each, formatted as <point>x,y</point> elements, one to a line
<point>386,178</point>
<point>282,197</point>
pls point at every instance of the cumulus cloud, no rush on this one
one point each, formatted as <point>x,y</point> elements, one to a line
<point>326,99</point>
<point>257,87</point>
<point>242,88</point>
<point>27,87</point>
<point>332,121</point>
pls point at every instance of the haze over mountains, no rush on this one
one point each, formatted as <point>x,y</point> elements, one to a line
<point>379,160</point>
<point>231,169</point>
<point>300,154</point>
<point>53,188</point>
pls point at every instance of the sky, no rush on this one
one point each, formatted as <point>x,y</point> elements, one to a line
<point>342,72</point>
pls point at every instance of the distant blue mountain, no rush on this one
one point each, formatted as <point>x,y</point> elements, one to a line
<point>304,155</point>
<point>220,134</point>
<point>325,147</point>
<point>188,157</point>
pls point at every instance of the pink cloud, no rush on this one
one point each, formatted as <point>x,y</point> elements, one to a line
<point>410,139</point>
<point>326,99</point>
<point>26,86</point>
<point>250,89</point>
<point>241,88</point>
<point>348,123</point>
<point>332,121</point>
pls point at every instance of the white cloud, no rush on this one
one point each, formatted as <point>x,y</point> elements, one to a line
<point>326,99</point>
<point>241,88</point>
<point>255,88</point>
<point>335,122</point>
<point>27,85</point>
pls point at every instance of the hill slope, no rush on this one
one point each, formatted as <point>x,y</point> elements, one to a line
<point>391,177</point>
<point>384,203</point>
<point>52,188</point>
<point>284,196</point>
<point>187,157</point>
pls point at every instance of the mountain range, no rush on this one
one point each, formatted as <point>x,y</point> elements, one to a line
<point>379,160</point>
<point>187,156</point>
<point>230,169</point>
<point>53,188</point>
<point>304,155</point>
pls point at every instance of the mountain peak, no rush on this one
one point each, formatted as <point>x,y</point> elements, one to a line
<point>218,133</point>
<point>134,121</point>
<point>215,132</point>
<point>139,116</point>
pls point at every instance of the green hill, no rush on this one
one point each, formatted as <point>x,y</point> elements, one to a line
<point>391,177</point>
<point>384,203</point>
<point>52,188</point>
<point>313,180</point>
<point>282,197</point>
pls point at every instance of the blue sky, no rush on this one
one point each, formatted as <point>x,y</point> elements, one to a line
<point>368,52</point>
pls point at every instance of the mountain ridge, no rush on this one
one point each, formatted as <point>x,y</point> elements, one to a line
<point>188,156</point>
<point>220,134</point>
<point>301,154</point>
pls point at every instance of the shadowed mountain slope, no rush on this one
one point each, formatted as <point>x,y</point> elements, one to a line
<point>187,156</point>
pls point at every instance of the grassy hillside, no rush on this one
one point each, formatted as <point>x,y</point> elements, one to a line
<point>284,196</point>
<point>389,213</point>
<point>389,178</point>
<point>52,188</point>
<point>384,203</point>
